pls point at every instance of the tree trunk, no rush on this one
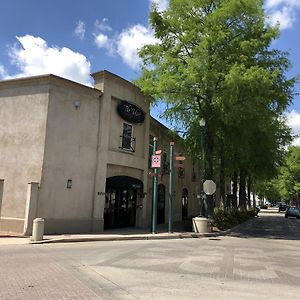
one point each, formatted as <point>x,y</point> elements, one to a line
<point>249,184</point>
<point>209,146</point>
<point>222,177</point>
<point>242,190</point>
<point>234,189</point>
<point>254,200</point>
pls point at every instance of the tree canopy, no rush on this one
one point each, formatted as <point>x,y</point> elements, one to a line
<point>214,60</point>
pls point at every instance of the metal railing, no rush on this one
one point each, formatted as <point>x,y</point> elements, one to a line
<point>127,143</point>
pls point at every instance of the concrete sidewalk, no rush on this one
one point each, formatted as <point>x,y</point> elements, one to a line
<point>120,234</point>
<point>13,240</point>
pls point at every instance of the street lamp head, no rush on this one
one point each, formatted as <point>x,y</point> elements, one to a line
<point>202,122</point>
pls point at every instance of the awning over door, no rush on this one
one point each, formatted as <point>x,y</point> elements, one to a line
<point>123,182</point>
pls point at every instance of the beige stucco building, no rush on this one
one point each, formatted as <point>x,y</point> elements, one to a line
<point>78,157</point>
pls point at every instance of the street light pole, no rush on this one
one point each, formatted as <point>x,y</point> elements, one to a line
<point>202,168</point>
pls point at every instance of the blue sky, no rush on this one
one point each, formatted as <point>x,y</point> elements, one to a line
<point>75,38</point>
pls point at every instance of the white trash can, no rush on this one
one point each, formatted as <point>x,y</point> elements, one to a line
<point>38,229</point>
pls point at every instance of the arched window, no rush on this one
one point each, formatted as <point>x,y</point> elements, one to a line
<point>184,202</point>
<point>161,204</point>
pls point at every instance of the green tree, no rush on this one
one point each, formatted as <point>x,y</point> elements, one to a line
<point>269,190</point>
<point>289,178</point>
<point>213,61</point>
<point>285,185</point>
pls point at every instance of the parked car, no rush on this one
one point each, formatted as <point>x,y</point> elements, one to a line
<point>282,207</point>
<point>292,211</point>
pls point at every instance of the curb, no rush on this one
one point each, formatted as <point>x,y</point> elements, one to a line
<point>130,237</point>
<point>141,236</point>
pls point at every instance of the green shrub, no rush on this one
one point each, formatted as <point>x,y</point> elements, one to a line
<point>253,211</point>
<point>225,219</point>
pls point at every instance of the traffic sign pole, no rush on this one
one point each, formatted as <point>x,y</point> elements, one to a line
<point>154,192</point>
<point>171,187</point>
<point>202,211</point>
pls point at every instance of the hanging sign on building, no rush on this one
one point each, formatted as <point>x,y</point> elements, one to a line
<point>155,161</point>
<point>130,112</point>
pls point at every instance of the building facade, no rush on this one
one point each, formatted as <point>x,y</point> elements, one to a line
<point>78,157</point>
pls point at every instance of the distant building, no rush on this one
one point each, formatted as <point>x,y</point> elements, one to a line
<point>79,157</point>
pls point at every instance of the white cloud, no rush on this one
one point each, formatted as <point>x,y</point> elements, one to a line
<point>80,30</point>
<point>102,25</point>
<point>35,57</point>
<point>131,40</point>
<point>160,4</point>
<point>293,120</point>
<point>283,12</point>
<point>3,73</point>
<point>103,41</point>
<point>274,3</point>
<point>127,43</point>
<point>285,17</point>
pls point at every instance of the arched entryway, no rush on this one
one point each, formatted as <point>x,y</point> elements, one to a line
<point>120,201</point>
<point>184,201</point>
<point>161,204</point>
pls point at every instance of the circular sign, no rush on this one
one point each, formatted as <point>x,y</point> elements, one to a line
<point>209,187</point>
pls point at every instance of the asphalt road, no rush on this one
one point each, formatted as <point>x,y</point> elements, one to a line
<point>258,260</point>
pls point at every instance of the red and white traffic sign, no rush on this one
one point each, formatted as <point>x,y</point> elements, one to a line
<point>156,161</point>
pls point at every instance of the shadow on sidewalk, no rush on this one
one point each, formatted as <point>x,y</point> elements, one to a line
<point>270,227</point>
<point>161,228</point>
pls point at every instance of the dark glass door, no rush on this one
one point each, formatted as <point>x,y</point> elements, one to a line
<point>120,208</point>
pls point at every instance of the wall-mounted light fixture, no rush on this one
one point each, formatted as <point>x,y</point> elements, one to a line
<point>77,104</point>
<point>142,194</point>
<point>69,183</point>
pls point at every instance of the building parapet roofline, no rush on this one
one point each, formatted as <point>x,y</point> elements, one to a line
<point>107,74</point>
<point>46,78</point>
